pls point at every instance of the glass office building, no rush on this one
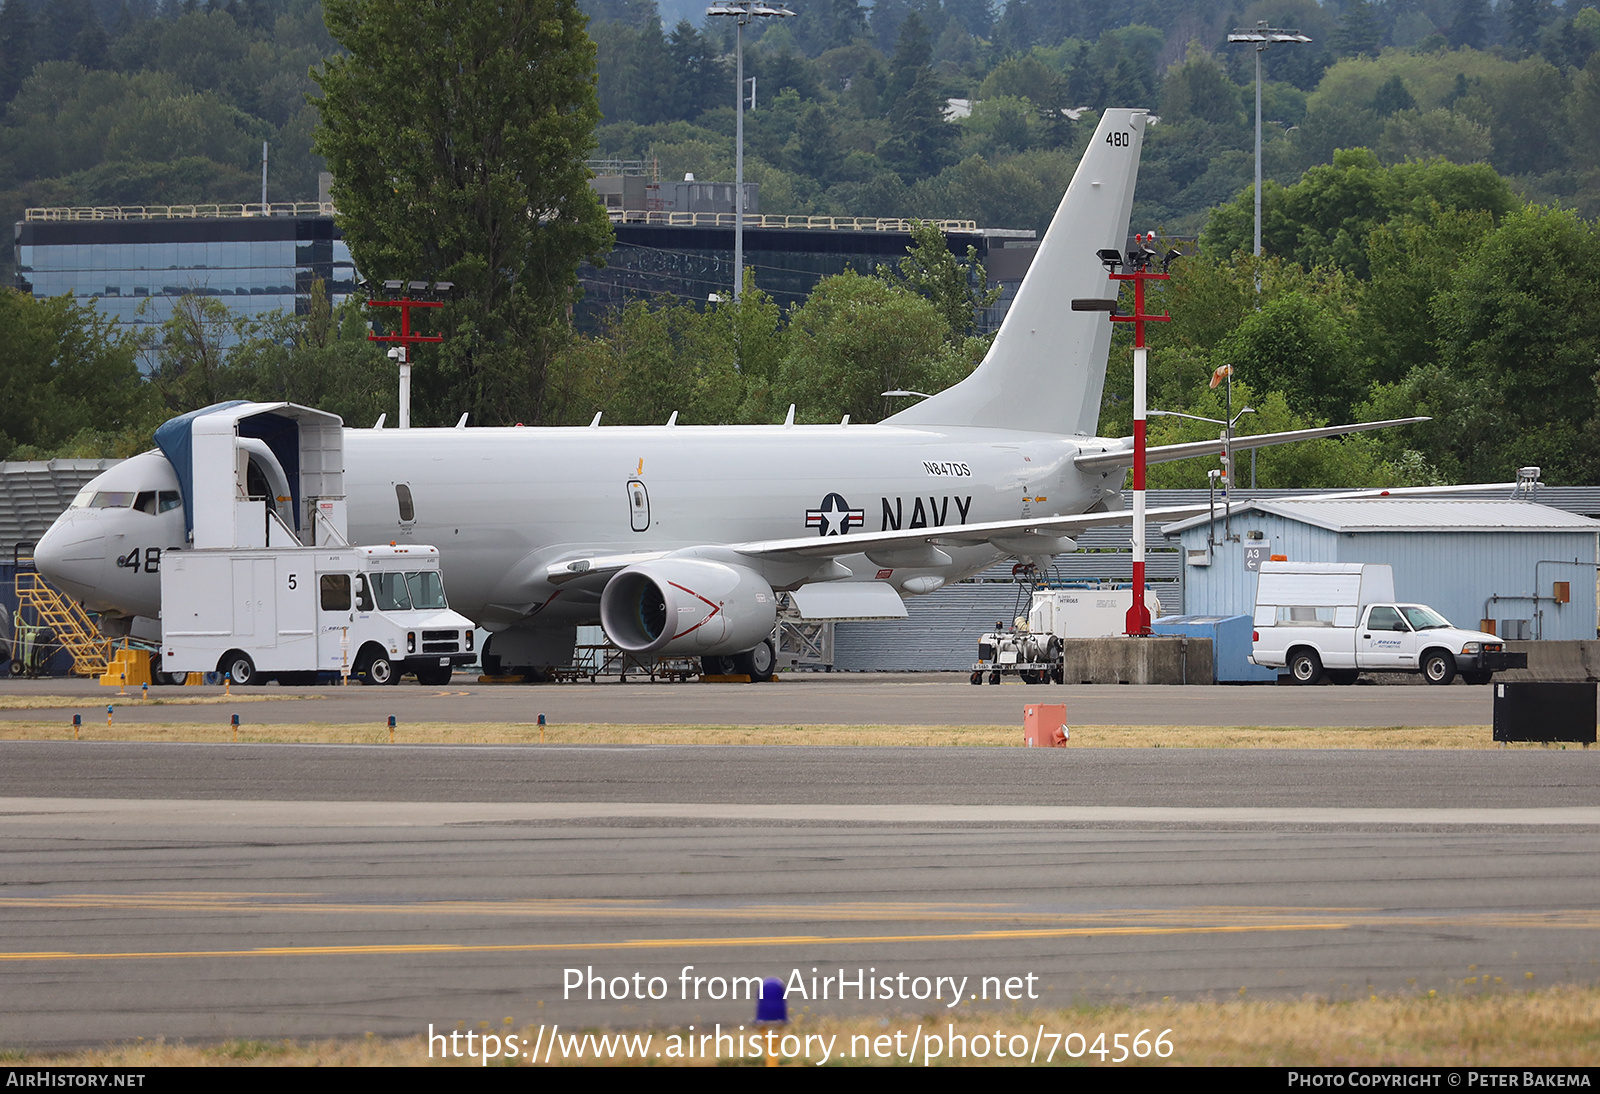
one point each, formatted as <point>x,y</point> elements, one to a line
<point>693,263</point>
<point>135,266</point>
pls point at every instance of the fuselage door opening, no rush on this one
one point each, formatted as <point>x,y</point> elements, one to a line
<point>638,506</point>
<point>408,508</point>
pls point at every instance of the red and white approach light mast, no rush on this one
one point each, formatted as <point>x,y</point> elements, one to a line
<point>1136,266</point>
<point>409,292</point>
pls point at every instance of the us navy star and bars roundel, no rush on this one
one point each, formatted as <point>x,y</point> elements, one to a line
<point>835,517</point>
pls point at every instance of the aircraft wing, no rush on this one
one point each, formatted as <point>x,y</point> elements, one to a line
<point>1035,535</point>
<point>1122,456</point>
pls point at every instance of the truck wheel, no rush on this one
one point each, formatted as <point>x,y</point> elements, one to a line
<point>435,676</point>
<point>1343,676</point>
<point>238,667</point>
<point>1306,667</point>
<point>1058,674</point>
<point>1438,667</point>
<point>377,669</point>
<point>1477,677</point>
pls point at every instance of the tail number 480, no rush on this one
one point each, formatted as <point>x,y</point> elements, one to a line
<point>1118,139</point>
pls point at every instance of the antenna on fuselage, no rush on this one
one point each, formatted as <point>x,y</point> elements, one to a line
<point>595,423</point>
<point>379,423</point>
<point>461,422</point>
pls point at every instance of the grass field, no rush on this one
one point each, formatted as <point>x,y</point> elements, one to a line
<point>1480,1027</point>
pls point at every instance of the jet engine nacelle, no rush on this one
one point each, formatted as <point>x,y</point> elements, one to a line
<point>688,606</point>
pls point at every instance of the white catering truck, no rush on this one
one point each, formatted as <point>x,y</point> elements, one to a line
<point>268,584</point>
<point>287,613</point>
<point>1341,619</point>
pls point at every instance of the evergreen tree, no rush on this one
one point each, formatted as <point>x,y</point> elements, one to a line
<point>457,136</point>
<point>1358,33</point>
<point>16,46</point>
<point>1470,27</point>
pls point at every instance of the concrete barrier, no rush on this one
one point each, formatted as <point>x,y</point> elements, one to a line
<point>1158,659</point>
<point>1575,662</point>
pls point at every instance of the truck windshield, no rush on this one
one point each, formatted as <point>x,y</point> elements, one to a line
<point>427,589</point>
<point>389,590</point>
<point>1423,619</point>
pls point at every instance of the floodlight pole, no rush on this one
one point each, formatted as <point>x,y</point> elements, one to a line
<point>1139,271</point>
<point>742,11</point>
<point>1261,36</point>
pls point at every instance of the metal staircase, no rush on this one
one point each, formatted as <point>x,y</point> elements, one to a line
<point>40,605</point>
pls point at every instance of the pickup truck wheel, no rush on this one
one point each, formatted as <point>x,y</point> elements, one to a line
<point>1306,667</point>
<point>1438,667</point>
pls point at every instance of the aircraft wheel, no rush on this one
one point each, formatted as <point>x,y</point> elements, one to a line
<point>759,663</point>
<point>239,668</point>
<point>716,666</point>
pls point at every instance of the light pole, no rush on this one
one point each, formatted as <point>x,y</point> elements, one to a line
<point>742,11</point>
<point>1227,447</point>
<point>1262,36</point>
<point>1135,267</point>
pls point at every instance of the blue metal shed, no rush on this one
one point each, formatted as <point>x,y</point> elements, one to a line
<point>1502,561</point>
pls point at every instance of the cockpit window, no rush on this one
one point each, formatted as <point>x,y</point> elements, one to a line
<point>146,502</point>
<point>170,499</point>
<point>112,499</point>
<point>85,496</point>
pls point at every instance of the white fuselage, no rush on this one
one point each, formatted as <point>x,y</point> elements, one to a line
<point>503,504</point>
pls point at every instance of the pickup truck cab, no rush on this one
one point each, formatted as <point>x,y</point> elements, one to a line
<point>1317,619</point>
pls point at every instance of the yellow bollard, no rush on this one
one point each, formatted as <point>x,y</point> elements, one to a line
<point>108,715</point>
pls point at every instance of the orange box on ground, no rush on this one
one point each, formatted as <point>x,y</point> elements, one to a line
<point>1044,725</point>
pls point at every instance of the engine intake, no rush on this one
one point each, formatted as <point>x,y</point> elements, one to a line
<point>687,606</point>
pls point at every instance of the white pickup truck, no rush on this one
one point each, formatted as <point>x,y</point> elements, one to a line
<point>1340,619</point>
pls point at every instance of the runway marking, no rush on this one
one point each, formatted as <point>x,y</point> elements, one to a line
<point>398,949</point>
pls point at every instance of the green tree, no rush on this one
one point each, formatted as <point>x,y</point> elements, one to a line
<point>72,382</point>
<point>856,337</point>
<point>1520,323</point>
<point>456,134</point>
<point>957,290</point>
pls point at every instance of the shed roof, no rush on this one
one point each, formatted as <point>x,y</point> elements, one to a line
<point>1409,515</point>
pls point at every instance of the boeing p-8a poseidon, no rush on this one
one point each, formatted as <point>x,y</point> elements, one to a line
<point>677,538</point>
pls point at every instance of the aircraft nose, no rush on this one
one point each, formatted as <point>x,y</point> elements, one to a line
<point>71,558</point>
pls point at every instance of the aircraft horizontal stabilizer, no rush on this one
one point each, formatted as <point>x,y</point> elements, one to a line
<point>1122,456</point>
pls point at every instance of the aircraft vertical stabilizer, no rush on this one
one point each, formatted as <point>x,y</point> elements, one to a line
<point>1047,366</point>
